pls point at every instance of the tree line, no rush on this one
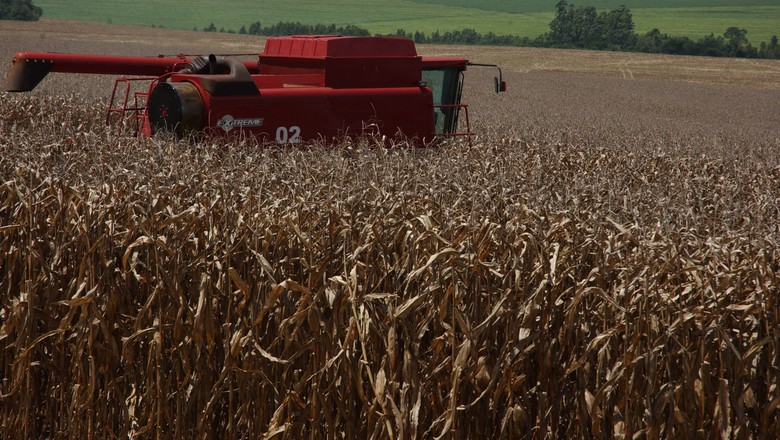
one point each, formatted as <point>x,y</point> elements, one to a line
<point>582,27</point>
<point>294,28</point>
<point>573,27</point>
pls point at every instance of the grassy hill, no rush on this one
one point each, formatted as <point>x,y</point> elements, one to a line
<point>525,18</point>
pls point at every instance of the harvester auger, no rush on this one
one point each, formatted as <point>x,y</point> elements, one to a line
<point>300,88</point>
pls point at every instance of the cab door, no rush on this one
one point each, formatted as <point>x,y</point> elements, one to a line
<point>446,84</point>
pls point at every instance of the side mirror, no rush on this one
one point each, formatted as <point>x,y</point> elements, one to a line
<point>498,81</point>
<point>500,85</point>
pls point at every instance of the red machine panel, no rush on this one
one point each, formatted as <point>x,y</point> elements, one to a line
<point>298,114</point>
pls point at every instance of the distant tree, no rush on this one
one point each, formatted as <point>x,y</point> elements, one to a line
<point>772,50</point>
<point>710,46</point>
<point>469,36</point>
<point>355,31</point>
<point>738,44</point>
<point>678,46</point>
<point>242,31</point>
<point>400,33</point>
<point>254,28</point>
<point>650,42</point>
<point>584,27</point>
<point>560,26</point>
<point>618,28</point>
<point>23,10</point>
<point>210,28</point>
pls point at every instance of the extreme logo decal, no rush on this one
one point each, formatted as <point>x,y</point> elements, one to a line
<point>227,123</point>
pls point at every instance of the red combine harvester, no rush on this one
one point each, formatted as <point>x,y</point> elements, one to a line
<point>300,88</point>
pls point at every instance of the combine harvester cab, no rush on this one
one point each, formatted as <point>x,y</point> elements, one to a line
<point>301,88</point>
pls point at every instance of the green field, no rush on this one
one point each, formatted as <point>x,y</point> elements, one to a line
<point>529,18</point>
<point>761,22</point>
<point>525,6</point>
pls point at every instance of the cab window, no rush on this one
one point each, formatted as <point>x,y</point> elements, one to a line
<point>445,84</point>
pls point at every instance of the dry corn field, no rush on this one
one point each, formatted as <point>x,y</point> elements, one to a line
<point>604,262</point>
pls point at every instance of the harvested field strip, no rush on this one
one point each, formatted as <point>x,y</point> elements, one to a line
<point>521,288</point>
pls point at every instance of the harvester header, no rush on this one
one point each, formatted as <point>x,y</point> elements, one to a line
<point>300,88</point>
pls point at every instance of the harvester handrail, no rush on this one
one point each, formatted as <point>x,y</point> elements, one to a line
<point>123,108</point>
<point>468,133</point>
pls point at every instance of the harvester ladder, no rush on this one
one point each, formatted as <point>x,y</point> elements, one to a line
<point>123,106</point>
<point>465,107</point>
